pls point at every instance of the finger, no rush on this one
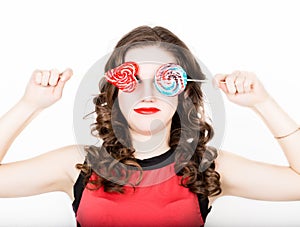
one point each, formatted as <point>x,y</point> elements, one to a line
<point>45,78</point>
<point>239,84</point>
<point>230,83</point>
<point>54,76</point>
<point>37,77</point>
<point>248,85</point>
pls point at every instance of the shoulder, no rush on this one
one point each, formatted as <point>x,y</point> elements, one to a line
<point>230,166</point>
<point>224,160</point>
<point>69,157</point>
<point>73,152</point>
<point>68,154</point>
<point>65,159</point>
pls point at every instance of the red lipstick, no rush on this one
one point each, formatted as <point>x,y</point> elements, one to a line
<point>147,110</point>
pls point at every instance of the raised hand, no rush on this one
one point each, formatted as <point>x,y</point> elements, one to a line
<point>46,87</point>
<point>242,88</point>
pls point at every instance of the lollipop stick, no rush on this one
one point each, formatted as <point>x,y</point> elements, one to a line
<point>205,81</point>
<point>200,81</point>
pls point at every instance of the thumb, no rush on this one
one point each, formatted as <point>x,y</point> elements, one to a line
<point>64,77</point>
<point>219,81</point>
<point>223,87</point>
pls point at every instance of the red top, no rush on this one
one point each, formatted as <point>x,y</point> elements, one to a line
<point>158,201</point>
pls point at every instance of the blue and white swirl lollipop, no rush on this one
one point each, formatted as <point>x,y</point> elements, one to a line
<point>170,79</point>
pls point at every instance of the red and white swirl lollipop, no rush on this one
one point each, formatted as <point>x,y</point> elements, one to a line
<point>124,76</point>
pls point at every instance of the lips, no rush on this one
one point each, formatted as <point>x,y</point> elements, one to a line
<point>147,110</point>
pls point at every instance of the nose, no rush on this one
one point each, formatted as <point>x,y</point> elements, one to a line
<point>148,91</point>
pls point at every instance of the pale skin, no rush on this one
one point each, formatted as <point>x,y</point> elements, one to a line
<point>266,181</point>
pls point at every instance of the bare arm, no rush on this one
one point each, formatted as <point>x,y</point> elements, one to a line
<point>51,171</point>
<point>283,127</point>
<point>257,180</point>
<point>43,90</point>
<point>13,122</point>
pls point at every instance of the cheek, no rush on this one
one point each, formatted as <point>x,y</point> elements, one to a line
<point>126,102</point>
<point>124,106</point>
<point>169,107</point>
<point>172,104</point>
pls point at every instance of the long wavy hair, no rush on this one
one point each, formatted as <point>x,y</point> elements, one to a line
<point>112,161</point>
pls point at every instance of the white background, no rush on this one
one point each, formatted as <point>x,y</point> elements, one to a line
<point>258,36</point>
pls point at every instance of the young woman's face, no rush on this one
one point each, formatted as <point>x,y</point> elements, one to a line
<point>146,110</point>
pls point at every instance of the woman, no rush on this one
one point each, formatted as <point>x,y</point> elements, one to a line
<point>154,166</point>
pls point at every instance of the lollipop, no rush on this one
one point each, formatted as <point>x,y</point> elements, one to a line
<point>170,79</point>
<point>124,76</point>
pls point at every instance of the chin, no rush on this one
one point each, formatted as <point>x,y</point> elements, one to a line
<point>149,129</point>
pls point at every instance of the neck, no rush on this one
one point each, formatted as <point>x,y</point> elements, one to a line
<point>150,145</point>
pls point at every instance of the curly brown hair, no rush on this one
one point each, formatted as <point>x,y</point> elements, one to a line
<point>190,131</point>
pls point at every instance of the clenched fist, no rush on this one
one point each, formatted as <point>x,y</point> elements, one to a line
<point>46,87</point>
<point>242,88</point>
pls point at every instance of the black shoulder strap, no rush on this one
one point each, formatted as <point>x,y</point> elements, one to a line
<point>204,209</point>
<point>77,190</point>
